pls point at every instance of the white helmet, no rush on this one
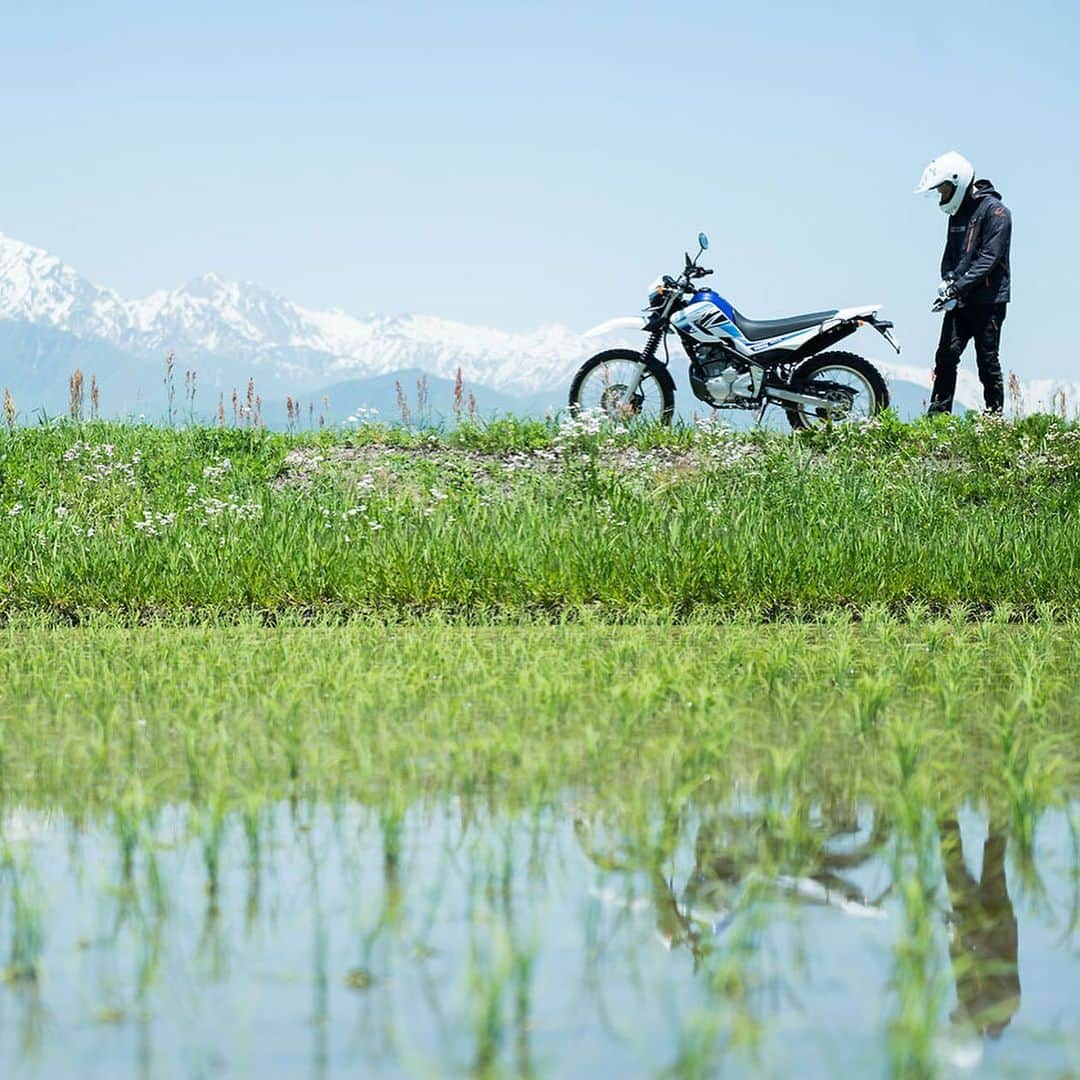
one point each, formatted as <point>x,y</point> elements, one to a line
<point>951,168</point>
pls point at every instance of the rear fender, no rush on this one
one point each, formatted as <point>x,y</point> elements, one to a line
<point>868,316</point>
<point>883,327</point>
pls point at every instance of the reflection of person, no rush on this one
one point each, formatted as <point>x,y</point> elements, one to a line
<point>984,941</point>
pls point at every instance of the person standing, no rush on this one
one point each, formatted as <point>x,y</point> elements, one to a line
<point>975,272</point>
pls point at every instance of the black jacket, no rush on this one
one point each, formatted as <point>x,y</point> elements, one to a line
<point>977,247</point>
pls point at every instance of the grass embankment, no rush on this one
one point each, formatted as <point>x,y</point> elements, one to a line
<point>530,519</point>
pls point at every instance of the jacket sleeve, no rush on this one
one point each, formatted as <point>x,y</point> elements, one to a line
<point>993,241</point>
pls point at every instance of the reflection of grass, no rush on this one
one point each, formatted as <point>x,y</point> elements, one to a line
<point>918,979</point>
<point>26,925</point>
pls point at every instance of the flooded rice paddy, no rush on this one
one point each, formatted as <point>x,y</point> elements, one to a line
<point>335,941</point>
<point>540,852</point>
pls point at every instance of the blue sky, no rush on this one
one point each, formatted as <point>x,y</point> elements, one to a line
<point>518,164</point>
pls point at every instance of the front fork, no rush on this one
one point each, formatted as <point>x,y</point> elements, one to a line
<point>634,383</point>
<point>649,352</point>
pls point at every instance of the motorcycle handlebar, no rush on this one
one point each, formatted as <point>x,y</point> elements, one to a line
<point>688,275</point>
<point>693,274</point>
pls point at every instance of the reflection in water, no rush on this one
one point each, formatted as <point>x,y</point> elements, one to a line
<point>813,867</point>
<point>445,939</point>
<point>983,933</point>
<point>747,857</point>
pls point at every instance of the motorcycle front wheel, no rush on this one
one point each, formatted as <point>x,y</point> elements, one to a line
<point>602,384</point>
<point>869,395</point>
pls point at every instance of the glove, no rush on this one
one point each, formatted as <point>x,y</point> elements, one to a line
<point>947,296</point>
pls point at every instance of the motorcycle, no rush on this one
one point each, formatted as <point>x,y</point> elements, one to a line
<point>736,362</point>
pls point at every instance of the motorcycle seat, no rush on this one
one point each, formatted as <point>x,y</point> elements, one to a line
<point>759,329</point>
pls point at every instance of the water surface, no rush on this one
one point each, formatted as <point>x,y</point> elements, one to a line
<point>716,934</point>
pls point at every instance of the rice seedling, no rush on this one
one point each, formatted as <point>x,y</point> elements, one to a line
<point>511,724</point>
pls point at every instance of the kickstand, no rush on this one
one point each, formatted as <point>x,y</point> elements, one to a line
<point>761,412</point>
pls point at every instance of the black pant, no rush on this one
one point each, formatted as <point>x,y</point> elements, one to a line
<point>983,323</point>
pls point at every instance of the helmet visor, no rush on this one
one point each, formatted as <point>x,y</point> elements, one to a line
<point>946,190</point>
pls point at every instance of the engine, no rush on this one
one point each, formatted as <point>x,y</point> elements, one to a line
<point>721,376</point>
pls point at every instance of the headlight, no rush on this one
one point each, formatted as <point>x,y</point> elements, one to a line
<point>657,293</point>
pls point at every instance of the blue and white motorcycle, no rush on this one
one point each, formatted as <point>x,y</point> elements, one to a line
<point>736,362</point>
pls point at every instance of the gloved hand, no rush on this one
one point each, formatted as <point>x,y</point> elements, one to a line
<point>947,296</point>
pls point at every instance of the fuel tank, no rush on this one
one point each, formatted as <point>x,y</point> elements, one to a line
<point>707,318</point>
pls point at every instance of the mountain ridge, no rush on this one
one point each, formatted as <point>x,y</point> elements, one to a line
<point>239,324</point>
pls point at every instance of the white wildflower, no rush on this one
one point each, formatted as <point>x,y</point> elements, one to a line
<point>214,473</point>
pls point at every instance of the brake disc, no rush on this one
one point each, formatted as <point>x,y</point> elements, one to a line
<point>613,400</point>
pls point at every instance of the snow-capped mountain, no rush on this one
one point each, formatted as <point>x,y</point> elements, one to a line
<point>52,319</point>
<point>38,288</point>
<point>231,330</point>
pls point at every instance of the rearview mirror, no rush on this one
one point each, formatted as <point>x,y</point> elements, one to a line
<point>703,240</point>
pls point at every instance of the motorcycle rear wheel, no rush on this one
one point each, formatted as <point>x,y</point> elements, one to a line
<point>871,397</point>
<point>602,381</point>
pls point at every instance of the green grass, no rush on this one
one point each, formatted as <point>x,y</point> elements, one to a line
<point>527,520</point>
<point>211,714</point>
